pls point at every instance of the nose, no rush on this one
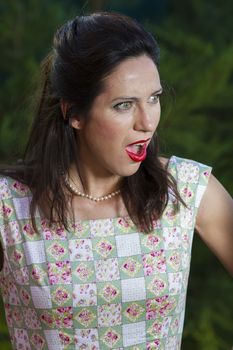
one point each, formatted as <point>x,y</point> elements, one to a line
<point>147,118</point>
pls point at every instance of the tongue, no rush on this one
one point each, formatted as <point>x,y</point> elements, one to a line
<point>136,149</point>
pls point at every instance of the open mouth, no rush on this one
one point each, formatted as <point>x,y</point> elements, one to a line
<point>137,150</point>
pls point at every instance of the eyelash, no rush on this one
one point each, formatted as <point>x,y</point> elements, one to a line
<point>118,105</point>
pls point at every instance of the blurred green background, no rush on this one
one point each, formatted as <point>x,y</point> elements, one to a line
<point>197,118</point>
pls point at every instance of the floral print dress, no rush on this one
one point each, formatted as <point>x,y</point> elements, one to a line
<point>102,284</point>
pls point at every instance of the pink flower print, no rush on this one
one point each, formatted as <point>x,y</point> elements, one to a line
<point>4,286</point>
<point>151,241</point>
<point>80,249</point>
<point>170,214</point>
<point>188,172</point>
<point>17,256</point>
<point>156,224</point>
<point>172,237</point>
<point>51,232</point>
<point>8,313</point>
<point>7,210</point>
<point>104,248</point>
<point>37,274</point>
<point>187,193</point>
<point>185,238</point>
<point>109,315</point>
<point>11,233</point>
<point>175,260</point>
<point>57,250</point>
<point>29,231</point>
<point>157,286</point>
<point>60,232</point>
<point>84,337</point>
<point>64,338</point>
<point>151,310</point>
<point>47,234</point>
<point>21,339</point>
<point>109,292</point>
<point>153,345</point>
<point>17,316</point>
<point>85,294</point>
<point>19,187</point>
<point>37,341</point>
<point>78,227</point>
<point>107,269</point>
<point>4,189</point>
<point>13,294</point>
<point>131,266</point>
<point>59,272</point>
<point>110,338</point>
<point>102,228</point>
<point>83,271</point>
<point>186,217</point>
<point>63,317</point>
<point>157,327</point>
<point>25,296</point>
<point>161,265</point>
<point>123,222</point>
<point>60,295</point>
<point>31,320</point>
<point>47,318</point>
<point>154,262</point>
<point>174,325</point>
<point>22,275</point>
<point>134,311</point>
<point>85,317</point>
<point>160,306</point>
<point>206,173</point>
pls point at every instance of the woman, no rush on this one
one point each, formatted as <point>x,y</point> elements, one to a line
<point>96,227</point>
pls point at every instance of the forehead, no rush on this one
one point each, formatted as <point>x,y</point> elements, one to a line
<point>132,75</point>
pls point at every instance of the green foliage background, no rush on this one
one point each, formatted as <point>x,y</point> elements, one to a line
<point>197,70</point>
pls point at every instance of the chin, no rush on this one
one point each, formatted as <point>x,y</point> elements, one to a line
<point>130,170</point>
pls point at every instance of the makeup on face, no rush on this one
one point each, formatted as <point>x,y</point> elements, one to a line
<point>137,150</point>
<point>114,141</point>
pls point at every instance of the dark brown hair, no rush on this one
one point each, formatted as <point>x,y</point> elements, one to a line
<point>85,51</point>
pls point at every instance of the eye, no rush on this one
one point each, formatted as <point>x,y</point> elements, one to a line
<point>123,106</point>
<point>154,98</point>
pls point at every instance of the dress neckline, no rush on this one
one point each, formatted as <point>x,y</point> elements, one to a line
<point>126,218</point>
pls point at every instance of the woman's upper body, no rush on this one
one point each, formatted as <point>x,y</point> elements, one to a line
<point>95,132</point>
<point>102,284</point>
<point>214,219</point>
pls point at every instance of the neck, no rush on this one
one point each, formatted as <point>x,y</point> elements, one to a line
<point>94,184</point>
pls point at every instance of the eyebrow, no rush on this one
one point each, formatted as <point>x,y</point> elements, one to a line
<point>136,98</point>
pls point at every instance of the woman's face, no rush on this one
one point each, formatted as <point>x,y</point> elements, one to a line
<point>122,120</point>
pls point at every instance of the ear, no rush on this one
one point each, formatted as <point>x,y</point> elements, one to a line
<point>76,123</point>
<point>73,118</point>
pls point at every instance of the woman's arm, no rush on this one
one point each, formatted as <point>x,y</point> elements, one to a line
<point>214,222</point>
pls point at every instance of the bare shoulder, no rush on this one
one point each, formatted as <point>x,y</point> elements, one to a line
<point>215,221</point>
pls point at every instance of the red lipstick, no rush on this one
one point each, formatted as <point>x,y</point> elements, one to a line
<point>137,150</point>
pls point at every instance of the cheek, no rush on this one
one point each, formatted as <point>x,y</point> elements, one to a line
<point>108,130</point>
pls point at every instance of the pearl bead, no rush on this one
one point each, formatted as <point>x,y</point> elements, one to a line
<point>84,195</point>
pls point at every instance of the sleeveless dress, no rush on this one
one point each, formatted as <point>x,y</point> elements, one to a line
<point>102,284</point>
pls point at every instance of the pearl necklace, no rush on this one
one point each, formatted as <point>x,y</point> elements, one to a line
<point>95,199</point>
